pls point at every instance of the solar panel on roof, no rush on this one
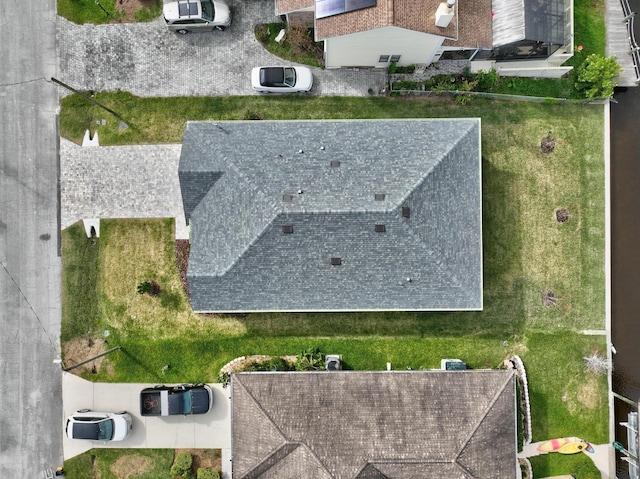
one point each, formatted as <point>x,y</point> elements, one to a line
<point>336,261</point>
<point>406,212</point>
<point>380,228</point>
<point>327,8</point>
<point>287,229</point>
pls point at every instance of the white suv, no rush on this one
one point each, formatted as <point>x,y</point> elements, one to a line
<point>184,16</point>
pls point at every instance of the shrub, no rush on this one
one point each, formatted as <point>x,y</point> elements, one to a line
<point>208,474</point>
<point>486,80</point>
<point>596,76</point>
<point>182,465</point>
<point>149,287</point>
<point>300,39</point>
<point>262,33</point>
<point>310,360</point>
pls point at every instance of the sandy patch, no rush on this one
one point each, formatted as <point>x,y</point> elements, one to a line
<point>78,350</point>
<point>130,466</point>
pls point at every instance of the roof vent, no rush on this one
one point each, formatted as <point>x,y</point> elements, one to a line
<point>406,212</point>
<point>287,198</point>
<point>380,228</point>
<point>300,191</point>
<point>287,229</point>
<point>336,261</point>
<point>379,196</point>
<point>322,148</point>
<point>335,163</point>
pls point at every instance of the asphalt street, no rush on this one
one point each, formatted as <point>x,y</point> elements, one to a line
<point>30,382</point>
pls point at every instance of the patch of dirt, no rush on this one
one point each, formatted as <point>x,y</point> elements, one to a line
<point>205,458</point>
<point>549,299</point>
<point>588,393</point>
<point>182,261</point>
<point>130,466</point>
<point>548,144</point>
<point>130,7</point>
<point>562,215</point>
<point>78,350</point>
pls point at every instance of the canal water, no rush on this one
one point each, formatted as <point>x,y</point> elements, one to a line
<point>625,254</point>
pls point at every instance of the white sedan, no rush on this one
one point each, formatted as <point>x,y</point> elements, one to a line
<point>281,79</point>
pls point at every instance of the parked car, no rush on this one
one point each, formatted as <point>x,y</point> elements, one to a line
<point>184,16</point>
<point>281,79</point>
<point>99,426</point>
<point>175,400</point>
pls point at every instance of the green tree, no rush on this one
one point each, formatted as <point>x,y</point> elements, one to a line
<point>596,76</point>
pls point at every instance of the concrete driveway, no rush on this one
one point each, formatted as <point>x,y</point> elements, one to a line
<point>203,431</point>
<point>148,60</point>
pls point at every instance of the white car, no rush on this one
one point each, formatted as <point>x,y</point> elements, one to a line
<point>281,79</point>
<point>184,16</point>
<point>99,426</point>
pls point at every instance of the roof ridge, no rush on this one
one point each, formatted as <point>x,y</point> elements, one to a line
<point>259,406</point>
<point>482,419</point>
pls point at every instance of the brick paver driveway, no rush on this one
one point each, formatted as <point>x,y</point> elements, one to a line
<point>148,60</point>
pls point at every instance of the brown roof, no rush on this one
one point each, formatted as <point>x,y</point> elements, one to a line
<point>286,6</point>
<point>356,425</point>
<point>473,20</point>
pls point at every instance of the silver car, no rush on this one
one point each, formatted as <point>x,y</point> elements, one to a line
<point>184,16</point>
<point>281,79</point>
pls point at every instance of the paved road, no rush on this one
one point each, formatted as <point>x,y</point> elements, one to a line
<point>203,431</point>
<point>30,383</point>
<point>148,60</point>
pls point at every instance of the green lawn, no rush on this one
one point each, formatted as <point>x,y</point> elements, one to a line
<point>104,11</point>
<point>116,463</point>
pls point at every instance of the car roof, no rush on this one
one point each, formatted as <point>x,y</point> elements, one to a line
<point>86,430</point>
<point>272,76</point>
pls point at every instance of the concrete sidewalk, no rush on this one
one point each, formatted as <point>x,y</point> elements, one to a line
<point>203,431</point>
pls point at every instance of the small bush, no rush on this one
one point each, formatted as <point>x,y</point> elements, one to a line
<point>486,81</point>
<point>149,287</point>
<point>182,465</point>
<point>262,33</point>
<point>208,474</point>
<point>596,76</point>
<point>310,360</point>
<point>300,39</point>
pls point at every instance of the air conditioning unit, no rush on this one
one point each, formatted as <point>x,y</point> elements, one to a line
<point>333,362</point>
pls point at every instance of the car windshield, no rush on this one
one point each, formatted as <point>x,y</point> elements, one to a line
<point>186,402</point>
<point>207,10</point>
<point>289,76</point>
<point>105,430</point>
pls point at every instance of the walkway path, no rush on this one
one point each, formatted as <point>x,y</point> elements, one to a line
<point>617,41</point>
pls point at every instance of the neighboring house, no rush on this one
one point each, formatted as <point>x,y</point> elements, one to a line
<point>374,425</point>
<point>524,38</point>
<point>333,215</point>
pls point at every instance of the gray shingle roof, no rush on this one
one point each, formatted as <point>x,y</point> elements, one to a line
<point>348,425</point>
<point>242,260</point>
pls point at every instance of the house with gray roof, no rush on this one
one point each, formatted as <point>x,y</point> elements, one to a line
<point>333,215</point>
<point>374,425</point>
